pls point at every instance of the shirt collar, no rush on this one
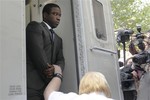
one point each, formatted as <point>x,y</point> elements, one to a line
<point>47,25</point>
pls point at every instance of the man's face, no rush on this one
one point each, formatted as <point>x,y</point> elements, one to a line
<point>53,18</point>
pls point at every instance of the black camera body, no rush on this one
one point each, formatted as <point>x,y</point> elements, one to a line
<point>127,81</point>
<point>141,58</point>
<point>128,85</point>
<point>124,35</point>
<point>140,38</point>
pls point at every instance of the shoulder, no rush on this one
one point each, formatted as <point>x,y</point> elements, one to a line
<point>92,97</point>
<point>33,25</point>
<point>62,96</point>
<point>74,96</point>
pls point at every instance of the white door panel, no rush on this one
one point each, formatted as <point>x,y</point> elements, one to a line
<point>105,62</point>
<point>12,50</point>
<point>100,42</point>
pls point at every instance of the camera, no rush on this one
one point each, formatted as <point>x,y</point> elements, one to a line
<point>128,85</point>
<point>127,81</point>
<point>140,58</point>
<point>138,27</point>
<point>124,35</point>
<point>139,36</point>
<point>139,41</point>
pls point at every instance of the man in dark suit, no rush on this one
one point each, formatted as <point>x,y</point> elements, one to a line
<point>44,51</point>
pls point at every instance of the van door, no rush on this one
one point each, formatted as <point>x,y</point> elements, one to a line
<point>12,50</point>
<point>96,42</point>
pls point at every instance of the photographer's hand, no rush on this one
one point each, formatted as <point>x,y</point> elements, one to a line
<point>132,48</point>
<point>134,73</point>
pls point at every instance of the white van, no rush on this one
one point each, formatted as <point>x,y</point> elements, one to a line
<point>89,44</point>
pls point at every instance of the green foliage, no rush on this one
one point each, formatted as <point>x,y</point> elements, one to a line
<point>129,13</point>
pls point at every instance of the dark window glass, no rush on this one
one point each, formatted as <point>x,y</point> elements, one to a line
<point>100,28</point>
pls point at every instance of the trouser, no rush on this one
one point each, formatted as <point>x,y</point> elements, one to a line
<point>35,94</point>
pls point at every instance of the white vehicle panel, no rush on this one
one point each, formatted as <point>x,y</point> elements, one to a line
<point>12,50</point>
<point>84,48</point>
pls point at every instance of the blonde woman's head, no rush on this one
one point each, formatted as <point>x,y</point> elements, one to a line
<point>94,82</point>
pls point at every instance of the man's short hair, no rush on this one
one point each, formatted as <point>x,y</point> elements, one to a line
<point>48,7</point>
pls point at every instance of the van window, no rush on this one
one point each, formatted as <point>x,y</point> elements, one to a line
<point>100,28</point>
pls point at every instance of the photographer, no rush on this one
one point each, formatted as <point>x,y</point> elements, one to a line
<point>135,77</point>
<point>147,40</point>
<point>144,86</point>
<point>131,73</point>
<point>128,81</point>
<point>141,67</point>
<point>141,64</point>
<point>137,43</point>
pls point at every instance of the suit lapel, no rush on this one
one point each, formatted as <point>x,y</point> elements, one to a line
<point>54,42</point>
<point>55,45</point>
<point>44,25</point>
<point>46,29</point>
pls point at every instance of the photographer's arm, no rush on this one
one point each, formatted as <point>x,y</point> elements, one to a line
<point>55,83</point>
<point>132,48</point>
<point>134,73</point>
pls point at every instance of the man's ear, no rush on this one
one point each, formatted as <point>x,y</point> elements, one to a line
<point>45,15</point>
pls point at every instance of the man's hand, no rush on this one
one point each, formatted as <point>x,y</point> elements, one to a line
<point>49,71</point>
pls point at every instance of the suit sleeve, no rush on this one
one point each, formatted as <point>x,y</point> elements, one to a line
<point>35,44</point>
<point>60,58</point>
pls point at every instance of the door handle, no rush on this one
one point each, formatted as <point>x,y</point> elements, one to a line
<point>101,49</point>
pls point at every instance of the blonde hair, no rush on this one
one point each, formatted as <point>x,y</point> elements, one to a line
<point>94,82</point>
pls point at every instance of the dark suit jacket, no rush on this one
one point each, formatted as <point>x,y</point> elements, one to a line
<point>41,51</point>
